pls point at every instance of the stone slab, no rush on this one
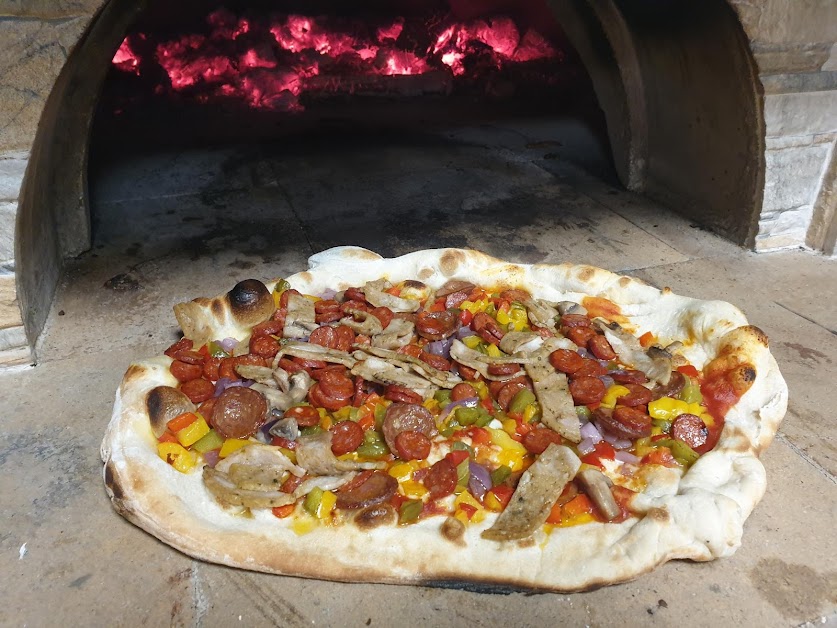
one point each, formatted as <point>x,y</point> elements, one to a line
<point>8,213</point>
<point>793,176</point>
<point>800,114</point>
<point>9,309</point>
<point>788,21</point>
<point>49,9</point>
<point>12,169</point>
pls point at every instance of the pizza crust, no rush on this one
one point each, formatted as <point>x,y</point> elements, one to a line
<point>699,516</point>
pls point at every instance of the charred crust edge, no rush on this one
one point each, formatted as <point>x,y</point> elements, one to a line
<point>112,483</point>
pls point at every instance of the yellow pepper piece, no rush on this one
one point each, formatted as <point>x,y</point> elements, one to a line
<point>466,498</point>
<point>193,432</point>
<point>327,503</point>
<point>472,342</point>
<point>432,405</point>
<point>503,317</point>
<point>656,431</point>
<point>474,307</point>
<point>291,455</point>
<point>412,489</point>
<point>303,523</point>
<point>177,456</point>
<point>481,388</point>
<point>707,419</point>
<point>613,393</point>
<point>232,444</point>
<point>519,318</point>
<point>503,440</point>
<point>696,409</point>
<point>509,426</point>
<point>667,408</point>
<point>494,351</point>
<point>402,471</point>
<point>492,503</point>
<point>326,422</point>
<point>343,413</point>
<point>583,518</point>
<point>512,459</point>
<point>531,411</point>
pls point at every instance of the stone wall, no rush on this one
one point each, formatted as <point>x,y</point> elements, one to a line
<point>793,42</point>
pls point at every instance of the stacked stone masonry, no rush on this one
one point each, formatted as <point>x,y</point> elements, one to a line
<point>793,42</point>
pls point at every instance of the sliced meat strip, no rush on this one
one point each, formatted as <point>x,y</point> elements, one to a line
<point>374,369</point>
<point>379,298</point>
<point>325,482</point>
<point>229,494</point>
<point>538,489</point>
<point>521,341</point>
<point>260,455</point>
<point>480,362</point>
<point>300,320</point>
<point>443,379</point>
<point>553,393</point>
<point>362,322</point>
<point>310,351</point>
<point>399,333</point>
<point>657,367</point>
<point>541,313</point>
<point>313,453</point>
<point>571,307</point>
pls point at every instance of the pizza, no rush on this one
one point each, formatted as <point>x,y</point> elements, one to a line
<point>448,416</point>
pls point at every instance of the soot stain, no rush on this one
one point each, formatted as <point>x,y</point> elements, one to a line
<point>79,582</point>
<point>68,466</point>
<point>797,591</point>
<point>806,353</point>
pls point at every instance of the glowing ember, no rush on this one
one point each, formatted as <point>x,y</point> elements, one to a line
<point>270,66</point>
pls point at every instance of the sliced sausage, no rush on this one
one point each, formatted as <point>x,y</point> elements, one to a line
<point>508,368</point>
<point>585,390</point>
<point>690,429</point>
<point>436,325</point>
<point>566,361</point>
<point>402,394</point>
<point>624,422</point>
<point>639,396</point>
<point>455,285</point>
<point>402,417</point>
<point>412,445</point>
<point>377,489</point>
<point>441,479</point>
<point>628,376</point>
<point>600,347</point>
<point>538,440</point>
<point>239,412</point>
<point>487,328</point>
<point>673,388</point>
<point>462,391</point>
<point>346,436</point>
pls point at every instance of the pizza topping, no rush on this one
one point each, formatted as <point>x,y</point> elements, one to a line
<point>361,322</point>
<point>672,388</point>
<point>379,298</point>
<point>444,379</point>
<point>553,393</point>
<point>520,341</point>
<point>315,455</point>
<point>437,325</point>
<point>404,417</point>
<point>597,486</point>
<point>571,307</point>
<point>538,489</point>
<point>690,429</point>
<point>301,318</point>
<point>396,335</point>
<point>377,370</point>
<point>657,366</point>
<point>308,351</point>
<point>541,313</point>
<point>239,412</point>
<point>163,404</point>
<point>455,285</point>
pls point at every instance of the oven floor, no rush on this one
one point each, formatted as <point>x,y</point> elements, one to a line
<point>176,226</point>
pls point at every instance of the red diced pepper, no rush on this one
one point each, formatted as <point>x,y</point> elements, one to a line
<point>465,317</point>
<point>284,511</point>
<point>660,455</point>
<point>168,437</point>
<point>603,451</point>
<point>182,421</point>
<point>478,435</point>
<point>278,441</point>
<point>468,510</point>
<point>646,339</point>
<point>503,494</point>
<point>457,456</point>
<point>689,370</point>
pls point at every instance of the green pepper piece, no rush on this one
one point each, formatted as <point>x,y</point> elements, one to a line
<point>463,472</point>
<point>380,414</point>
<point>467,416</point>
<point>442,396</point>
<point>313,500</point>
<point>500,474</point>
<point>372,436</point>
<point>583,412</point>
<point>410,511</point>
<point>663,424</point>
<point>691,394</point>
<point>491,310</point>
<point>484,419</point>
<point>212,440</point>
<point>447,432</point>
<point>460,446</point>
<point>682,451</point>
<point>311,431</point>
<point>375,449</point>
<point>522,399</point>
<point>216,350</point>
<point>281,286</point>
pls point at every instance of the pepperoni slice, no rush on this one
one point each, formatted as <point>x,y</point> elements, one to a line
<point>628,376</point>
<point>336,384</point>
<point>198,390</point>
<point>306,416</point>
<point>321,400</point>
<point>324,336</point>
<point>184,372</point>
<point>189,357</point>
<point>575,320</point>
<point>180,345</point>
<point>239,412</point>
<point>579,335</point>
<point>347,306</point>
<point>504,369</point>
<point>354,294</point>
<point>378,488</point>
<point>412,445</point>
<point>441,479</point>
<point>286,295</point>
<point>691,430</point>
<point>383,314</point>
<point>264,346</point>
<point>487,328</point>
<point>629,423</point>
<point>344,338</point>
<point>566,361</point>
<point>436,325</point>
<point>327,311</point>
<point>673,388</point>
<point>639,396</point>
<point>472,375</point>
<point>346,436</point>
<point>210,369</point>
<point>600,347</point>
<point>507,392</point>
<point>403,417</point>
<point>436,361</point>
<point>401,394</point>
<point>539,439</point>
<point>206,409</point>
<point>590,368</point>
<point>291,484</point>
<point>455,299</point>
<point>462,391</point>
<point>289,365</point>
<point>310,365</point>
<point>515,294</point>
<point>455,285</point>
<point>586,390</point>
<point>268,328</point>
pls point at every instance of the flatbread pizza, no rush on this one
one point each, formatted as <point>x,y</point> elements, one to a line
<point>448,416</point>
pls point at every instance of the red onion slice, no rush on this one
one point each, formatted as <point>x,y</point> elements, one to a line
<point>228,344</point>
<point>222,384</point>
<point>607,380</point>
<point>627,457</point>
<point>465,332</point>
<point>470,402</point>
<point>439,347</point>
<point>618,443</point>
<point>586,446</point>
<point>589,431</point>
<point>211,457</point>
<point>480,480</point>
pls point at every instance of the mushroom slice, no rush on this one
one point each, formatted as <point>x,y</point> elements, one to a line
<point>443,379</point>
<point>163,404</point>
<point>313,453</point>
<point>379,298</point>
<point>256,477</point>
<point>260,455</point>
<point>480,362</point>
<point>521,341</point>
<point>229,494</point>
<point>377,370</point>
<point>597,486</point>
<point>536,493</point>
<point>571,307</point>
<point>553,393</point>
<point>656,365</point>
<point>325,482</point>
<point>541,313</point>
<point>301,318</point>
<point>369,324</point>
<point>398,334</point>
<point>261,374</point>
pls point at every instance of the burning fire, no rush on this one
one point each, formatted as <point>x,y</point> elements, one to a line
<point>270,66</point>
